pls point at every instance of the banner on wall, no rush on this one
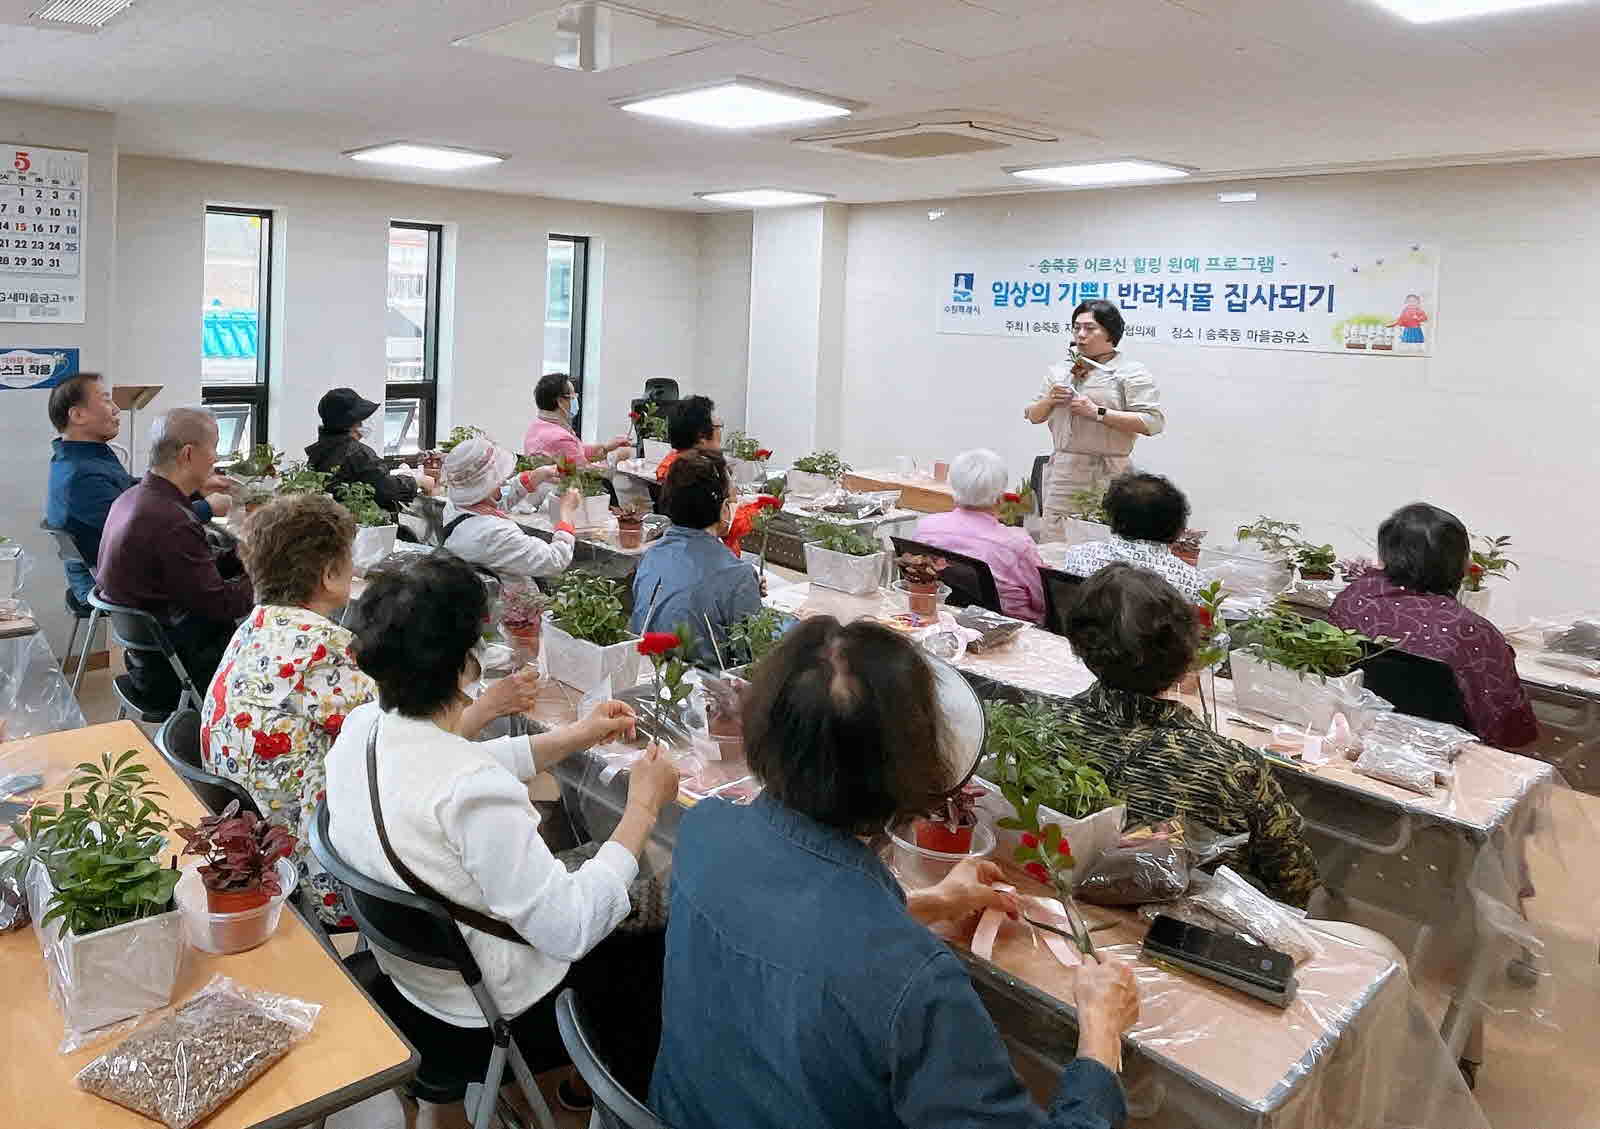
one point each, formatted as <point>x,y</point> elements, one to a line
<point>1361,301</point>
<point>36,368</point>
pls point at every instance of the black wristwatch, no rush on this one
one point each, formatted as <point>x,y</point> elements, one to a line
<point>1101,415</point>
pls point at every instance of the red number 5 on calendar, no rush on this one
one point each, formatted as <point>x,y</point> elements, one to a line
<point>21,162</point>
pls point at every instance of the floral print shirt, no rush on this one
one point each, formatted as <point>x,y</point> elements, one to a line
<point>279,698</point>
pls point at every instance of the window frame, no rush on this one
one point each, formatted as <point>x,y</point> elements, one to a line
<point>256,395</point>
<point>426,390</point>
<point>579,316</point>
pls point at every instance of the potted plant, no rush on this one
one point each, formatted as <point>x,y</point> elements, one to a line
<point>630,525</point>
<point>1355,568</point>
<point>842,557</point>
<point>747,459</point>
<point>1277,539</point>
<point>240,874</point>
<point>257,476</point>
<point>652,426</point>
<point>767,508</point>
<point>1302,670</point>
<point>1488,562</point>
<point>522,608</point>
<point>817,473</point>
<point>586,634</point>
<point>376,526</point>
<point>298,478</point>
<point>103,903</point>
<point>920,576</point>
<point>1315,562</point>
<point>948,827</point>
<point>1016,506</point>
<point>1086,514</point>
<point>752,638</point>
<point>459,435</point>
<point>1187,547</point>
<point>595,510</point>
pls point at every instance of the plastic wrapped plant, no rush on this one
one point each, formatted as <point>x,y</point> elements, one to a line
<point>362,502</point>
<point>826,463</point>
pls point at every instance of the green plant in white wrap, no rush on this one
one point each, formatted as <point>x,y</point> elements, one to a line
<point>837,537</point>
<point>362,502</point>
<point>589,607</point>
<point>826,463</point>
<point>298,478</point>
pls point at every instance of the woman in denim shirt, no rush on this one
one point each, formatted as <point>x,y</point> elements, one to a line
<point>802,986</point>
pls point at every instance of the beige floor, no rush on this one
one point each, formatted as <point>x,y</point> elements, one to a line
<point>1534,1076</point>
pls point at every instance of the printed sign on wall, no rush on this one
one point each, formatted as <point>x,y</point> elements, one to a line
<point>1361,301</point>
<point>44,199</point>
<point>36,368</point>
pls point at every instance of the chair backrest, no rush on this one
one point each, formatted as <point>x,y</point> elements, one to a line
<point>971,581</point>
<point>1417,685</point>
<point>178,741</point>
<point>135,629</point>
<point>1060,593</point>
<point>614,1107</point>
<point>66,548</point>
<point>1036,480</point>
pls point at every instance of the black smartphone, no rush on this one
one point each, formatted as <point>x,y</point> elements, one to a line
<point>1254,969</point>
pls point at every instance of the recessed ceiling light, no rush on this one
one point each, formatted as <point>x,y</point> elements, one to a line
<point>738,103</point>
<point>1235,197</point>
<point>763,197</point>
<point>1102,172</point>
<point>1435,11</point>
<point>81,14</point>
<point>437,158</point>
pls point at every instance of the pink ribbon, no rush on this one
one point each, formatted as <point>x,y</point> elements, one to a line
<point>1049,909</point>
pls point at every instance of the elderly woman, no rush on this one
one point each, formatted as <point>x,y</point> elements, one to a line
<point>458,816</point>
<point>343,448</point>
<point>692,425</point>
<point>1425,554</point>
<point>551,431</point>
<point>1147,514</point>
<point>978,479</point>
<point>287,681</point>
<point>689,576</point>
<point>481,533</point>
<point>803,986</point>
<point>1137,635</point>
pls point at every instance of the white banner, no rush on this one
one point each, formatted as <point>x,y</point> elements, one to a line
<point>1363,301</point>
<point>44,201</point>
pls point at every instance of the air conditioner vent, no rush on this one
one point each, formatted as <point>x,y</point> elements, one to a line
<point>945,133</point>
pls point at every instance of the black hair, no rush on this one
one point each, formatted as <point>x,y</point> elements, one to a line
<point>68,395</point>
<point>691,420</point>
<point>1105,314</point>
<point>415,627</point>
<point>1132,629</point>
<point>551,387</point>
<point>1424,548</point>
<point>842,724</point>
<point>697,484</point>
<point>1146,507</point>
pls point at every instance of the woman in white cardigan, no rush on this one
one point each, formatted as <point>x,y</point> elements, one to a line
<point>480,532</point>
<point>458,816</point>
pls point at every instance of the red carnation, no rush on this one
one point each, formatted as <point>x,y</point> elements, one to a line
<point>1011,496</point>
<point>1037,872</point>
<point>270,745</point>
<point>763,454</point>
<point>1204,616</point>
<point>657,642</point>
<point>635,416</point>
<point>1475,568</point>
<point>1029,839</point>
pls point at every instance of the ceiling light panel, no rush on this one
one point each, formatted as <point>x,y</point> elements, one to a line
<point>1101,173</point>
<point>1437,11</point>
<point>737,104</point>
<point>435,158</point>
<point>763,197</point>
<point>83,15</point>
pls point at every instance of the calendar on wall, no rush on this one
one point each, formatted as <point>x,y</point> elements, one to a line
<point>44,199</point>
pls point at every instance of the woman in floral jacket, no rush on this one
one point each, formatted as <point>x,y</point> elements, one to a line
<point>287,680</point>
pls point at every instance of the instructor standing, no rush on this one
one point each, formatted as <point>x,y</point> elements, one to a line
<point>1096,405</point>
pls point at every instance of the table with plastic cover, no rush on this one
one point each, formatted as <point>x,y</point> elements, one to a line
<point>35,696</point>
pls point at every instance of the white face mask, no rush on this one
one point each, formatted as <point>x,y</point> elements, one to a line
<point>367,431</point>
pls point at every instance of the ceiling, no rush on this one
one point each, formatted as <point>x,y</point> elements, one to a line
<point>1226,87</point>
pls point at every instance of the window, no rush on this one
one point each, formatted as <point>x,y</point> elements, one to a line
<point>234,326</point>
<point>412,338</point>
<point>566,306</point>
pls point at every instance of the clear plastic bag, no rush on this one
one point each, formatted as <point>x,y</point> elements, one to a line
<point>13,899</point>
<point>1436,739</point>
<point>1241,905</point>
<point>1156,870</point>
<point>1578,636</point>
<point>1396,764</point>
<point>179,1069</point>
<point>35,697</point>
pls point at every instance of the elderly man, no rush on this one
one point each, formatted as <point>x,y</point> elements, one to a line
<point>1147,514</point>
<point>86,476</point>
<point>154,556</point>
<point>978,479</point>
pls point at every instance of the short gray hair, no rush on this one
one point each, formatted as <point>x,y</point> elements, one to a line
<point>977,478</point>
<point>176,428</point>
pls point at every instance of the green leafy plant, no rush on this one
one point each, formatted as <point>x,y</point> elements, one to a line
<point>839,538</point>
<point>1016,505</point>
<point>459,435</point>
<point>1304,645</point>
<point>766,508</point>
<point>362,502</point>
<point>261,462</point>
<point>1213,641</point>
<point>825,463</point>
<point>1315,562</point>
<point>589,607</point>
<point>1488,563</point>
<point>752,638</point>
<point>533,462</point>
<point>240,848</point>
<point>587,482</point>
<point>741,446</point>
<point>298,478</point>
<point>1088,504</point>
<point>1033,747</point>
<point>1277,538</point>
<point>100,847</point>
<point>651,423</point>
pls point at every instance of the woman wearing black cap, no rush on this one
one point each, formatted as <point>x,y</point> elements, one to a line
<point>340,450</point>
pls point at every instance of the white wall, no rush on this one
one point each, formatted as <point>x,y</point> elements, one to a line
<point>25,431</point>
<point>332,265</point>
<point>1498,426</point>
<point>722,331</point>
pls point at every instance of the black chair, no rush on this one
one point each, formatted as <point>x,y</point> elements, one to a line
<point>178,742</point>
<point>1060,594</point>
<point>138,631</point>
<point>67,550</point>
<point>614,1107</point>
<point>421,930</point>
<point>971,581</point>
<point>1036,480</point>
<point>1417,685</point>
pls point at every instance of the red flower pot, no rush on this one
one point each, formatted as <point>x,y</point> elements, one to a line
<point>923,598</point>
<point>524,639</point>
<point>933,836</point>
<point>235,901</point>
<point>630,534</point>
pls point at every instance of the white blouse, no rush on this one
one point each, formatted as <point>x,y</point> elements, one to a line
<point>1120,385</point>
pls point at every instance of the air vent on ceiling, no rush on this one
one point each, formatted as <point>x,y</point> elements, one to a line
<point>80,15</point>
<point>595,35</point>
<point>944,134</point>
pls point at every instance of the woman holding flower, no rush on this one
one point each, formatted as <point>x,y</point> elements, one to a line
<point>551,431</point>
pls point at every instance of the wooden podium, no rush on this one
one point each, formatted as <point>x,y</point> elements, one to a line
<point>130,398</point>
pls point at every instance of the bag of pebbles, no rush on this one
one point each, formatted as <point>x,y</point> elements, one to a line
<point>180,1069</point>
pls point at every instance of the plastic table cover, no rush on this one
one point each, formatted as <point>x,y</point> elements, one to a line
<point>35,697</point>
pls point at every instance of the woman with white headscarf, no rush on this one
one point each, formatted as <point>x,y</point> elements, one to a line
<point>480,532</point>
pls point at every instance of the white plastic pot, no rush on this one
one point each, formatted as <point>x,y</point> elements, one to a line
<point>1304,699</point>
<point>809,485</point>
<point>230,932</point>
<point>581,664</point>
<point>1080,532</point>
<point>1089,837</point>
<point>655,450</point>
<point>857,576</point>
<point>1476,601</point>
<point>746,472</point>
<point>373,543</point>
<point>1246,575</point>
<point>10,570</point>
<point>919,868</point>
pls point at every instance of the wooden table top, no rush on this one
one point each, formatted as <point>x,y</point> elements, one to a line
<point>351,1054</point>
<point>916,493</point>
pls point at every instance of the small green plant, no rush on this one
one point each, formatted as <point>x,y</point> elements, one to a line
<point>589,607</point>
<point>752,638</point>
<point>533,462</point>
<point>1315,562</point>
<point>741,446</point>
<point>1306,646</point>
<point>826,463</point>
<point>651,423</point>
<point>1488,563</point>
<point>839,538</point>
<point>1277,538</point>
<point>587,482</point>
<point>1034,747</point>
<point>298,478</point>
<point>100,847</point>
<point>362,502</point>
<point>261,462</point>
<point>1088,504</point>
<point>767,507</point>
<point>459,435</point>
<point>1016,505</point>
<point>1046,856</point>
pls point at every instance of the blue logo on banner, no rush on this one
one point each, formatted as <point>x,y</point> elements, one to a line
<point>22,367</point>
<point>961,288</point>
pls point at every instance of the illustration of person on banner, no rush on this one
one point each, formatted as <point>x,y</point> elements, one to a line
<point>1410,323</point>
<point>1097,403</point>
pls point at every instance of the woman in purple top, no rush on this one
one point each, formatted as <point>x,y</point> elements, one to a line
<point>1425,553</point>
<point>977,479</point>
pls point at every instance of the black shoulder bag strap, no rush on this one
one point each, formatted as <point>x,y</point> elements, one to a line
<point>463,915</point>
<point>451,527</point>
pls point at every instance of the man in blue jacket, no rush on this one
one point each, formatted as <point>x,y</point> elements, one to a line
<point>86,476</point>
